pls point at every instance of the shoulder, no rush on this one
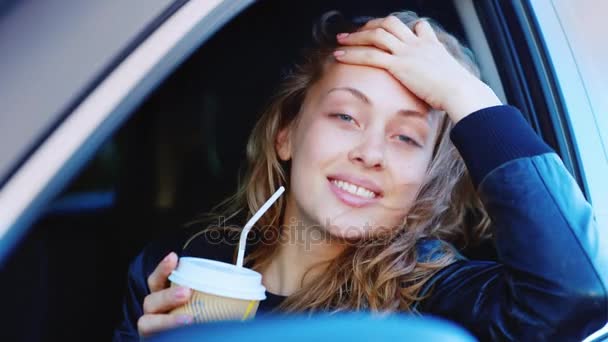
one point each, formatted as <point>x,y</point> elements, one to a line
<point>152,254</point>
<point>200,240</point>
<point>194,240</point>
<point>432,249</point>
<point>211,243</point>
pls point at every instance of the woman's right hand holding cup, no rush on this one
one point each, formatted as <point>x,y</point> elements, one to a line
<point>162,300</point>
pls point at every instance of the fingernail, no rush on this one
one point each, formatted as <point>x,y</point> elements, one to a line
<point>184,319</point>
<point>342,35</point>
<point>181,293</point>
<point>339,53</point>
<point>167,257</point>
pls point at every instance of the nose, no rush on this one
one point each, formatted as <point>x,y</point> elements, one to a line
<point>370,152</point>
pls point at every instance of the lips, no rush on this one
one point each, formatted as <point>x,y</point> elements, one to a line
<point>358,181</point>
<point>361,197</point>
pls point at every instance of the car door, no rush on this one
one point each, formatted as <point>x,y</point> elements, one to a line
<point>72,71</point>
<point>49,127</point>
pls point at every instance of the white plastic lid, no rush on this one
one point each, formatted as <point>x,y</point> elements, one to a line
<point>219,278</point>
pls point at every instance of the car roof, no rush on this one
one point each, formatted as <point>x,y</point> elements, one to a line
<point>40,81</point>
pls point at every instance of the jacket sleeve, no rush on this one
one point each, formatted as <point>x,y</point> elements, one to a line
<point>184,242</point>
<point>137,282</point>
<point>550,279</point>
<point>137,290</point>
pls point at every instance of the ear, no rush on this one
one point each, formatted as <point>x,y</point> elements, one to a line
<point>283,143</point>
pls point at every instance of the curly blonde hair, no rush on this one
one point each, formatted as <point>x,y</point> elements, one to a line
<point>380,276</point>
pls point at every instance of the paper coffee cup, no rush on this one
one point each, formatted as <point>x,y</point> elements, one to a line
<point>220,291</point>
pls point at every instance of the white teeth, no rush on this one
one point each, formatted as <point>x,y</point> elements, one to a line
<point>353,189</point>
<point>362,192</point>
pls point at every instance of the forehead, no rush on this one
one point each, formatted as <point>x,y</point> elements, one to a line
<point>382,89</point>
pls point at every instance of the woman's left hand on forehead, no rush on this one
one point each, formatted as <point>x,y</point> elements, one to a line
<point>420,62</point>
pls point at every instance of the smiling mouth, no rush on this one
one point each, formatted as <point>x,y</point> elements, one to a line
<point>354,189</point>
<point>352,195</point>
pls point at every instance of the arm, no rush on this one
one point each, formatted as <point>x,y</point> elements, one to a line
<point>551,279</point>
<point>148,298</point>
<point>132,308</point>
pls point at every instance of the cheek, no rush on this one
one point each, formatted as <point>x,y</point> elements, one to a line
<point>313,150</point>
<point>408,173</point>
<point>321,143</point>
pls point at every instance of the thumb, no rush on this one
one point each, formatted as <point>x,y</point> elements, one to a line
<point>158,278</point>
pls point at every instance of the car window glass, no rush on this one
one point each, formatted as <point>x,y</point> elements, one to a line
<point>587,40</point>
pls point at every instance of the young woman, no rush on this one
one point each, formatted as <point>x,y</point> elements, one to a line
<point>386,142</point>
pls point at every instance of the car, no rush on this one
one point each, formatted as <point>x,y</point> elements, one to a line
<point>121,121</point>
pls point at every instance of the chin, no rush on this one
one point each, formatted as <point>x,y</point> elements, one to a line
<point>358,230</point>
<point>351,231</point>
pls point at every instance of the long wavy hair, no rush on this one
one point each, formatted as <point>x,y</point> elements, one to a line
<point>380,276</point>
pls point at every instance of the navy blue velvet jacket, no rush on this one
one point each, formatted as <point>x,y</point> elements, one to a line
<point>551,278</point>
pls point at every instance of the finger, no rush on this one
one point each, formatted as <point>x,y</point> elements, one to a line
<point>393,25</point>
<point>424,30</point>
<point>158,278</point>
<point>165,300</point>
<point>362,55</point>
<point>377,37</point>
<point>371,24</point>
<point>150,324</point>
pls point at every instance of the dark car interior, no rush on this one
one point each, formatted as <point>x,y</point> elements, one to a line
<point>177,156</point>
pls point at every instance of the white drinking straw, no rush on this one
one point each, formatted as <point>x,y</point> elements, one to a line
<point>252,221</point>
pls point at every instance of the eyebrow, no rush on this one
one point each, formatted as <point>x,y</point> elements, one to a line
<point>359,95</point>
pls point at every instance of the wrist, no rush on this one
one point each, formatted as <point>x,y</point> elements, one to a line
<point>469,99</point>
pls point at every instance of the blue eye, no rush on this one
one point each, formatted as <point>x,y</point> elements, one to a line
<point>408,140</point>
<point>344,117</point>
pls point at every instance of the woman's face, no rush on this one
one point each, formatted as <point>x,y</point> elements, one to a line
<point>359,152</point>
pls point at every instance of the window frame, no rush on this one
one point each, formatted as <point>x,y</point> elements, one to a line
<point>535,69</point>
<point>103,109</point>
